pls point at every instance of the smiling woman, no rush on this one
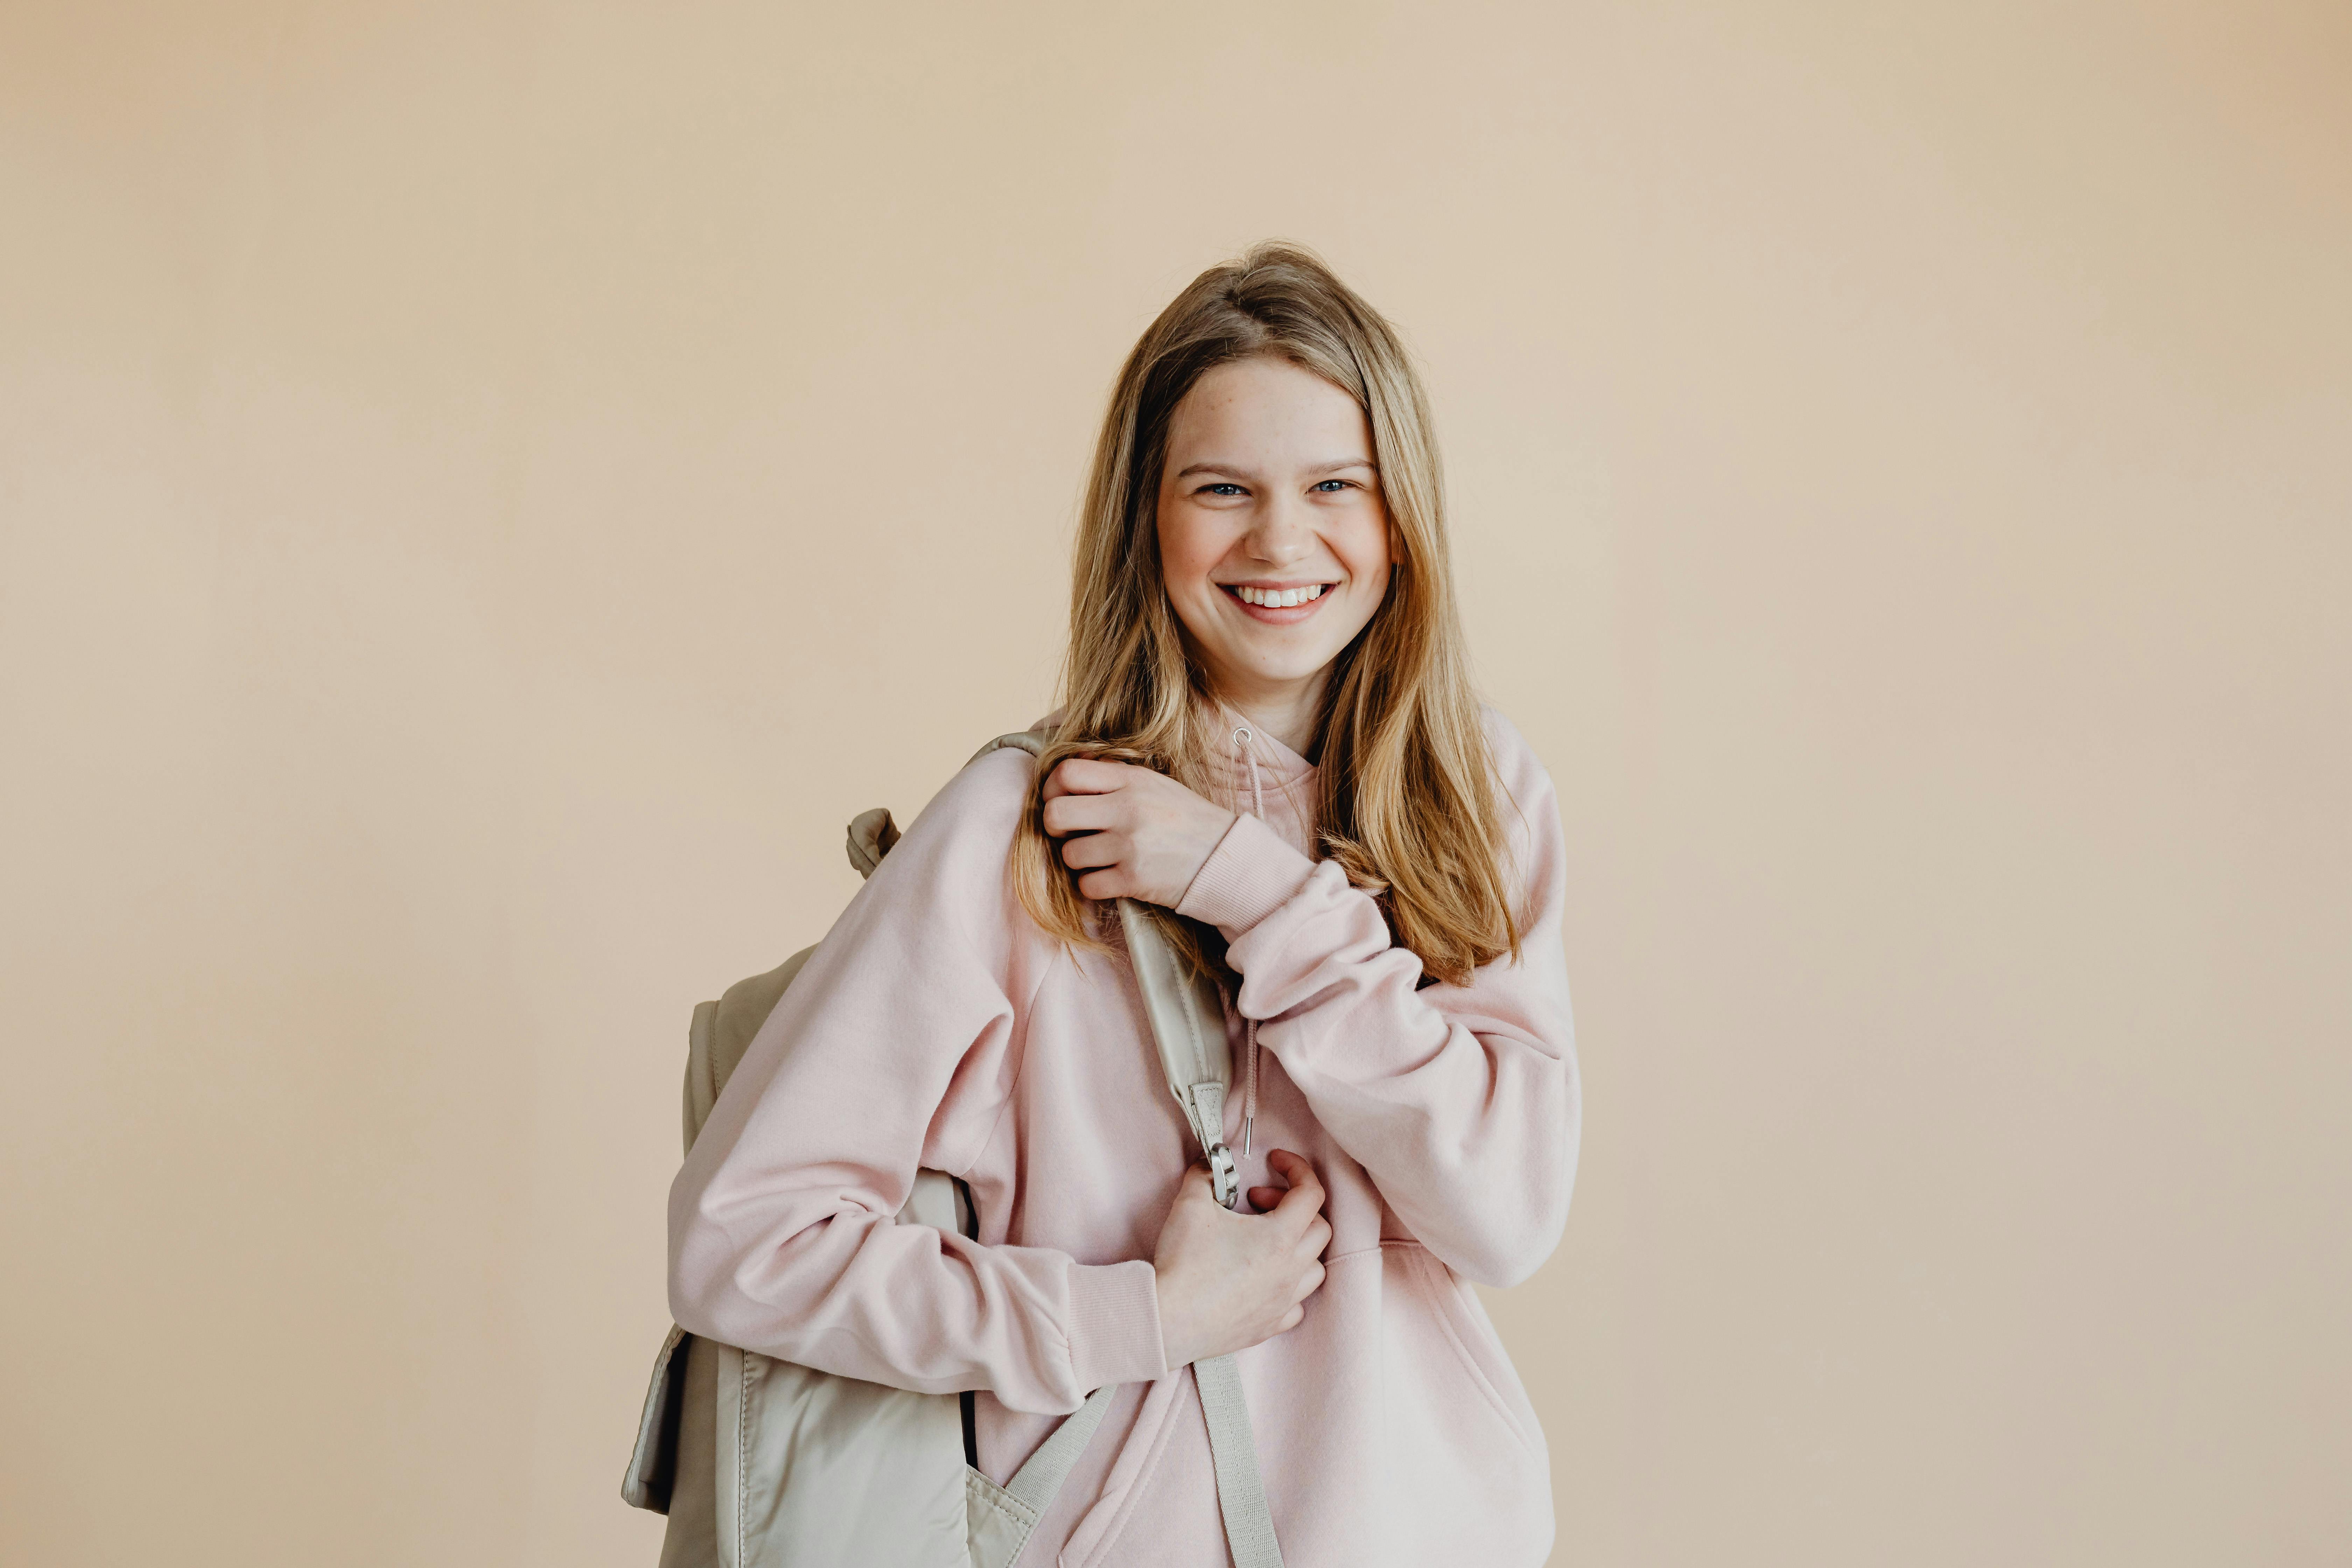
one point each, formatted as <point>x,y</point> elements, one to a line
<point>1269,440</point>
<point>1261,527</point>
<point>1267,744</point>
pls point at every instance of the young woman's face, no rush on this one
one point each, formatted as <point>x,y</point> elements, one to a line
<point>1272,538</point>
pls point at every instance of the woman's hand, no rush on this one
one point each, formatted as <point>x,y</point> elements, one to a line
<point>1132,833</point>
<point>1228,1281</point>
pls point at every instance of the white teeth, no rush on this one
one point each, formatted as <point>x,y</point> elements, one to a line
<point>1280,598</point>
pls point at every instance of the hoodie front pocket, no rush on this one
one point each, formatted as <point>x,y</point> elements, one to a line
<point>1469,1474</point>
<point>1476,1347</point>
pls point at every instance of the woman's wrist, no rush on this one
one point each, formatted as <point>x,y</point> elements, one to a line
<point>1175,1349</point>
<point>1248,876</point>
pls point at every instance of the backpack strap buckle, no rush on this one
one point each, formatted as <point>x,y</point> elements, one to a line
<point>1204,1108</point>
<point>1224,1180</point>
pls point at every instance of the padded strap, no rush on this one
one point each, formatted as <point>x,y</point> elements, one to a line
<point>1188,1025</point>
<point>1241,1494</point>
<point>1027,741</point>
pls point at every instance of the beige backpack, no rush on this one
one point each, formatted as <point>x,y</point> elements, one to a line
<point>759,1463</point>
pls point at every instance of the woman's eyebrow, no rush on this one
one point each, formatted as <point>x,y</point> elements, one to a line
<point>1241,473</point>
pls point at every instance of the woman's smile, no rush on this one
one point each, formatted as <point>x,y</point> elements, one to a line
<point>1279,604</point>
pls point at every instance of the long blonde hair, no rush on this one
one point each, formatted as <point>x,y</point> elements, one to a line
<point>1406,797</point>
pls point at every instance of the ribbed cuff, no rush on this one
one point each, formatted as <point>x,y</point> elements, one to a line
<point>1249,875</point>
<point>1115,1324</point>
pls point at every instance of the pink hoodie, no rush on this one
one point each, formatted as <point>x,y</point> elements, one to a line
<point>938,1027</point>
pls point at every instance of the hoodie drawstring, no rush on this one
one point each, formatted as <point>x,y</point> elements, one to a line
<point>1245,755</point>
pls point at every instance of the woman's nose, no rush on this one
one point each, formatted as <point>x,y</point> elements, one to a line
<point>1281,535</point>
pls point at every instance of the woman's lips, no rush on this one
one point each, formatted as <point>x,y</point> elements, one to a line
<point>1282,615</point>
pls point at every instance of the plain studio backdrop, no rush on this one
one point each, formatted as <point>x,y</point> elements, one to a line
<point>488,489</point>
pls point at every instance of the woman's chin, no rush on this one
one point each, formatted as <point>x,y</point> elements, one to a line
<point>1246,675</point>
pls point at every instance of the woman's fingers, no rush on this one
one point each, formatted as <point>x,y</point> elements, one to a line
<point>1305,1191</point>
<point>1200,1186</point>
<point>1163,832</point>
<point>1088,850</point>
<point>1082,810</point>
<point>1198,1189</point>
<point>1295,1170</point>
<point>1110,883</point>
<point>1067,813</point>
<point>1304,1202</point>
<point>1083,775</point>
<point>1227,1281</point>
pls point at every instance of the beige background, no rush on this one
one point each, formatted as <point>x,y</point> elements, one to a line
<point>487,489</point>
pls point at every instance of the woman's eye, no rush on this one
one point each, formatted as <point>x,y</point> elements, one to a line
<point>1331,486</point>
<point>1222,487</point>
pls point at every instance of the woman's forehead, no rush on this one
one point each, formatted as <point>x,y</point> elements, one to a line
<point>1264,410</point>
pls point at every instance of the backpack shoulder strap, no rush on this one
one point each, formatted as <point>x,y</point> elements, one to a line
<point>1032,741</point>
<point>1188,1025</point>
<point>1187,1016</point>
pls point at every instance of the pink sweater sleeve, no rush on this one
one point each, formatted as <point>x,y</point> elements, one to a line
<point>782,1222</point>
<point>1462,1101</point>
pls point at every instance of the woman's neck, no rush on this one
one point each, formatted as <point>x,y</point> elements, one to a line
<point>1286,714</point>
